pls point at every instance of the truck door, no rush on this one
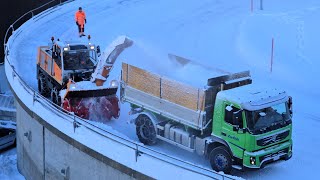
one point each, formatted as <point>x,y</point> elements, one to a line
<point>232,129</point>
<point>57,65</point>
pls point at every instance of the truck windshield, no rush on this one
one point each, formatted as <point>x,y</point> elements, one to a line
<point>268,119</point>
<point>79,59</point>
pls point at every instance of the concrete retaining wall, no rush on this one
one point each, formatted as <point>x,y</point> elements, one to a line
<point>46,153</point>
<point>43,153</point>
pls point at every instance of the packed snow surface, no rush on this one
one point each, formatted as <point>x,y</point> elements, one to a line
<point>216,34</point>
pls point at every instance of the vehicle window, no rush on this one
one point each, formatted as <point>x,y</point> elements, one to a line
<point>81,59</point>
<point>58,59</point>
<point>230,112</point>
<point>268,118</point>
<point>3,132</point>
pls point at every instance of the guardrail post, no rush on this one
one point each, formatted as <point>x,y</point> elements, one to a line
<point>137,153</point>
<point>34,96</point>
<point>74,124</point>
<point>13,75</point>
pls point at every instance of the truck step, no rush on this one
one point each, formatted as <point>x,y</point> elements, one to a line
<point>237,167</point>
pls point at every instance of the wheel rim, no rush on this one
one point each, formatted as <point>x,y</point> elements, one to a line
<point>146,129</point>
<point>42,86</point>
<point>221,161</point>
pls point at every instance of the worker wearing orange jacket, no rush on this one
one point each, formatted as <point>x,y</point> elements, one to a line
<point>80,18</point>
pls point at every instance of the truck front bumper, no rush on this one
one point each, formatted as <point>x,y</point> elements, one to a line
<point>259,159</point>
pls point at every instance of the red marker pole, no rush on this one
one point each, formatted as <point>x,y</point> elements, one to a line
<point>251,5</point>
<point>272,47</point>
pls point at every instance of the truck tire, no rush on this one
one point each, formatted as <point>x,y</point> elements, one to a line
<point>145,130</point>
<point>220,159</point>
<point>42,85</point>
<point>55,97</point>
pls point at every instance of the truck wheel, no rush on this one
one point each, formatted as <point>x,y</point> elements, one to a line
<point>42,86</point>
<point>220,159</point>
<point>55,98</point>
<point>145,130</point>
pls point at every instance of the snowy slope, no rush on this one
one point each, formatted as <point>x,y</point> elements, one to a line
<point>217,33</point>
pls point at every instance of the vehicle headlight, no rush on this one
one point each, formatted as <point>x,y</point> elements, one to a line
<point>114,83</point>
<point>65,49</point>
<point>72,86</point>
<point>91,47</point>
<point>252,160</point>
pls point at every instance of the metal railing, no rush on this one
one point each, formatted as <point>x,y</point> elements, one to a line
<point>77,121</point>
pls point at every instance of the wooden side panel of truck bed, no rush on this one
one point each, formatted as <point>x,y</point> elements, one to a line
<point>175,100</point>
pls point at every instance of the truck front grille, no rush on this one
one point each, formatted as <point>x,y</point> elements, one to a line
<point>272,139</point>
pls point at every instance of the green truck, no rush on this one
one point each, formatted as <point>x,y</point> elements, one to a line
<point>231,122</point>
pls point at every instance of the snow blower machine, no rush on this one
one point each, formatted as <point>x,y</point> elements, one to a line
<point>72,75</point>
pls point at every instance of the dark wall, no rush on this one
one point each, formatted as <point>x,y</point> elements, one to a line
<point>10,10</point>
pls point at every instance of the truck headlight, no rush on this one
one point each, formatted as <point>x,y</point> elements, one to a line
<point>252,160</point>
<point>72,86</point>
<point>114,83</point>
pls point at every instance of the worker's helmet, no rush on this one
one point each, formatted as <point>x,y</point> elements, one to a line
<point>80,8</point>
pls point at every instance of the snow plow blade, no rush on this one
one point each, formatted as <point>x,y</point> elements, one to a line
<point>97,105</point>
<point>91,93</point>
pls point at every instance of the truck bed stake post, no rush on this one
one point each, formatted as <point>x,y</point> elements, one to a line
<point>198,99</point>
<point>127,74</point>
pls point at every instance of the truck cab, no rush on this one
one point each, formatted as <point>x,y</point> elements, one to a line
<point>61,61</point>
<point>76,60</point>
<point>255,123</point>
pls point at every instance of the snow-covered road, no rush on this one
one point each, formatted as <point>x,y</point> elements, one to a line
<point>218,33</point>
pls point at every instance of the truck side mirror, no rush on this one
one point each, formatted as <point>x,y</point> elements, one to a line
<point>290,105</point>
<point>237,118</point>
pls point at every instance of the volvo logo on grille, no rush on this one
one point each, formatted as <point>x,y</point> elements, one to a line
<point>271,139</point>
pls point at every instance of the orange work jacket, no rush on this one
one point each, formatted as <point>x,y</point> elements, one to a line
<point>80,17</point>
